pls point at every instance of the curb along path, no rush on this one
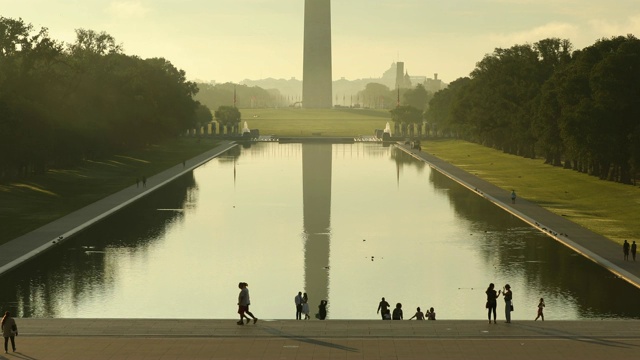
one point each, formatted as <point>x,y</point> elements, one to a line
<point>23,248</point>
<point>595,247</point>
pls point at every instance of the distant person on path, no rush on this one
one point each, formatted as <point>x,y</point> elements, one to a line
<point>9,331</point>
<point>513,196</point>
<point>322,310</point>
<point>305,306</point>
<point>144,181</point>
<point>397,312</point>
<point>633,250</point>
<point>243,304</point>
<point>418,316</point>
<point>431,314</point>
<point>298,301</point>
<point>492,301</point>
<point>383,309</point>
<point>508,306</point>
<point>540,310</point>
<point>625,250</point>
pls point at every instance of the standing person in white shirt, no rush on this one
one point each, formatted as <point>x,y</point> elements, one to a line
<point>305,306</point>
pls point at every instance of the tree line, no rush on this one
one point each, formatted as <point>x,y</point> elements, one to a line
<point>379,96</point>
<point>242,96</point>
<point>63,103</point>
<point>576,109</point>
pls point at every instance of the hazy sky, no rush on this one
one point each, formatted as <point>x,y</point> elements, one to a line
<point>232,40</point>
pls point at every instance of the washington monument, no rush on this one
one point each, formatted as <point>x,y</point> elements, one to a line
<point>316,69</point>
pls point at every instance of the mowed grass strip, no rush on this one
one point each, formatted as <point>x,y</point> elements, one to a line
<point>27,205</point>
<point>608,208</point>
<point>296,122</point>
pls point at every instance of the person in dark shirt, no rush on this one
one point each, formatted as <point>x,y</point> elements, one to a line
<point>431,314</point>
<point>419,315</point>
<point>625,250</point>
<point>322,310</point>
<point>383,308</point>
<point>397,312</point>
<point>492,301</point>
<point>508,305</point>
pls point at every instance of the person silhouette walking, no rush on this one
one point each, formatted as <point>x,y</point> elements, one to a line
<point>383,309</point>
<point>625,250</point>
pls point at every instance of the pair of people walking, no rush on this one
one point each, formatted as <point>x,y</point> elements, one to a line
<point>625,250</point>
<point>492,302</point>
<point>243,304</point>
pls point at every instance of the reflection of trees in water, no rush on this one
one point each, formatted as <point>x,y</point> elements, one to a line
<point>547,266</point>
<point>81,265</point>
<point>403,159</point>
<point>230,155</point>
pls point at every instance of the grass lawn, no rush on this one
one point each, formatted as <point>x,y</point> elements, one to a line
<point>27,205</point>
<point>307,122</point>
<point>605,207</point>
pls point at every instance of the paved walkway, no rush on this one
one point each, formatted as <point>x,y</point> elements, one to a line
<point>31,244</point>
<point>595,247</point>
<point>332,339</point>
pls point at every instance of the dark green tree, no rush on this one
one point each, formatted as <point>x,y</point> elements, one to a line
<point>599,114</point>
<point>440,112</point>
<point>62,105</point>
<point>417,97</point>
<point>554,55</point>
<point>203,114</point>
<point>228,116</point>
<point>406,114</point>
<point>377,96</point>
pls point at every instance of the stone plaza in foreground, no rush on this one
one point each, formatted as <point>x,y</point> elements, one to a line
<point>330,339</point>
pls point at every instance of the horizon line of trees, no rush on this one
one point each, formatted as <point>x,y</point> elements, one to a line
<point>374,95</point>
<point>242,96</point>
<point>577,109</point>
<point>380,96</point>
<point>62,103</point>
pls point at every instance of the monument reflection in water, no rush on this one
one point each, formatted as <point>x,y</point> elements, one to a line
<point>316,187</point>
<point>346,223</point>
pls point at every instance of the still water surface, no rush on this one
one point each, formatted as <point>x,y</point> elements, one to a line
<point>346,223</point>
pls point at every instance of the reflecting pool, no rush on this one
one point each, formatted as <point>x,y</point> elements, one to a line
<point>346,223</point>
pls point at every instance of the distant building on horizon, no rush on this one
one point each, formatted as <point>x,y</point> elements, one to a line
<point>434,85</point>
<point>316,71</point>
<point>343,88</point>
